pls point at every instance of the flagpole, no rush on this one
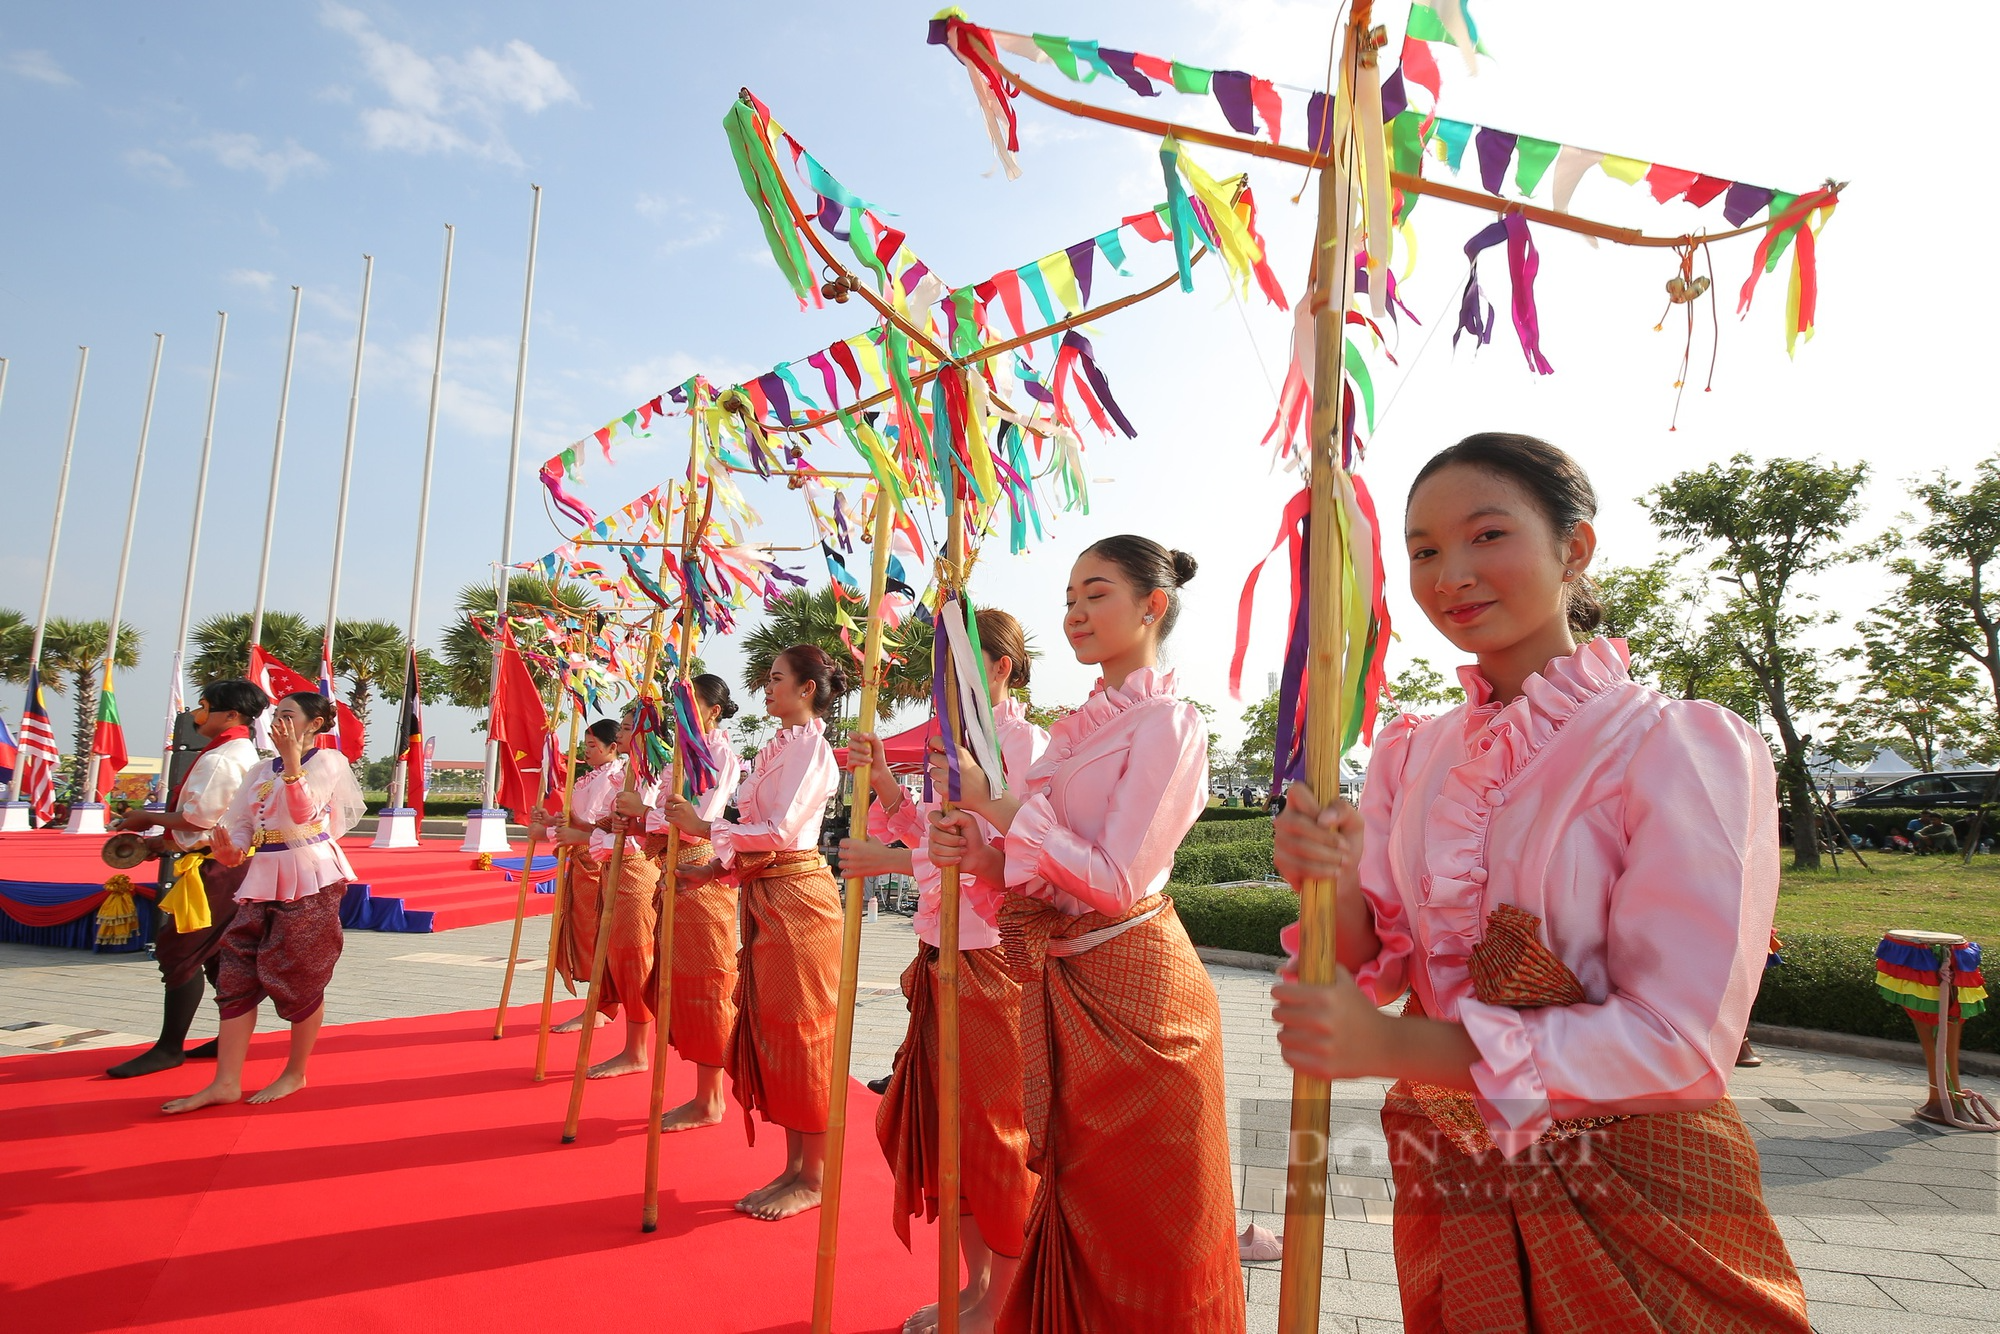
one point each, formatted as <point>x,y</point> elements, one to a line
<point>484,833</point>
<point>402,776</point>
<point>15,819</point>
<point>271,503</point>
<point>125,552</point>
<point>346,478</point>
<point>174,697</point>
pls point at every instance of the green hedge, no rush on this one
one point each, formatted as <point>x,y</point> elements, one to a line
<point>1216,863</point>
<point>1828,982</point>
<point>1227,831</point>
<point>1243,917</point>
<point>435,808</point>
<point>1223,814</point>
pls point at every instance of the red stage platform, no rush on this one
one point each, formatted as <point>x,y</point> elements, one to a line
<point>432,888</point>
<point>419,1183</point>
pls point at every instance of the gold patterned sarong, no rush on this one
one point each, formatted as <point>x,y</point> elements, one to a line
<point>994,1181</point>
<point>780,1055</point>
<point>1624,1223</point>
<point>704,980</point>
<point>1134,1224</point>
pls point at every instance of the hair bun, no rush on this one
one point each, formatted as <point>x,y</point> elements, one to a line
<point>729,709</point>
<point>1184,568</point>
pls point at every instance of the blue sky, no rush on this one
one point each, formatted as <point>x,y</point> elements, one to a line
<point>166,162</point>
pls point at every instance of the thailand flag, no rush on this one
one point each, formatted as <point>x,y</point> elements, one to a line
<point>8,752</point>
<point>39,753</point>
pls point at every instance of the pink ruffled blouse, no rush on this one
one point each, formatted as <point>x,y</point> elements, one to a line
<point>1021,743</point>
<point>780,805</point>
<point>728,773</point>
<point>1103,810</point>
<point>591,801</point>
<point>1641,830</point>
<point>302,824</point>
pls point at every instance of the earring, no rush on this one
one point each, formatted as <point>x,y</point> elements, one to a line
<point>1149,618</point>
<point>1569,575</point>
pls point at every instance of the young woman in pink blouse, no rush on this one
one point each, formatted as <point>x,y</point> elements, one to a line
<point>703,986</point>
<point>285,938</point>
<point>1133,1224</point>
<point>590,811</point>
<point>997,1185</point>
<point>1571,878</point>
<point>788,967</point>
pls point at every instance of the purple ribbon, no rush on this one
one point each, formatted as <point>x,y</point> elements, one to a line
<point>1496,150</point>
<point>1743,201</point>
<point>1098,384</point>
<point>1232,93</point>
<point>1081,255</point>
<point>1395,101</point>
<point>1124,67</point>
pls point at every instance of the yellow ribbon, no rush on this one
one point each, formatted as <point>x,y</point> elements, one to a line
<point>188,899</point>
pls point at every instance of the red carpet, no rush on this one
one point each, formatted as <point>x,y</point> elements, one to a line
<point>418,1184</point>
<point>436,878</point>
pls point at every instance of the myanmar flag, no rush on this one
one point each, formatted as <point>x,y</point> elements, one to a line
<point>108,741</point>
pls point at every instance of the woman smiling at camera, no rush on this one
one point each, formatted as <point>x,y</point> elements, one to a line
<point>1572,877</point>
<point>1133,1225</point>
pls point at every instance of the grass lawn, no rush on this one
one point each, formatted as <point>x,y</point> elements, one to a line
<point>1922,893</point>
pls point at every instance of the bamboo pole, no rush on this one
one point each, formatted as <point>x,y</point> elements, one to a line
<point>948,961</point>
<point>521,899</point>
<point>663,946</point>
<point>608,888</point>
<point>850,935</point>
<point>1404,181</point>
<point>559,914</point>
<point>1333,267</point>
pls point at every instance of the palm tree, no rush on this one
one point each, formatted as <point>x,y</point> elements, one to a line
<point>371,655</point>
<point>803,617</point>
<point>72,657</point>
<point>221,644</point>
<point>466,673</point>
<point>17,636</point>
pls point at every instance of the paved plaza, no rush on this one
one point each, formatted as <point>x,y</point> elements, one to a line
<point>1884,1215</point>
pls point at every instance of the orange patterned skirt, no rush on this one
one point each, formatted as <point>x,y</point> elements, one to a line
<point>635,919</point>
<point>581,874</point>
<point>1134,1225</point>
<point>780,1055</point>
<point>704,996</point>
<point>1639,1223</point>
<point>994,1179</point>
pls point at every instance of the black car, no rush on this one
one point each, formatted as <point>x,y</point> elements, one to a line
<point>1925,791</point>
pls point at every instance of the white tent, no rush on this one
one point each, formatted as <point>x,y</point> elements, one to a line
<point>1888,764</point>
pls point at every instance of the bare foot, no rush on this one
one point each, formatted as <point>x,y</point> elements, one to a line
<point>749,1203</point>
<point>284,1086</point>
<point>793,1199</point>
<point>691,1115</point>
<point>925,1321</point>
<point>214,1095</point>
<point>576,1025</point>
<point>148,1062</point>
<point>621,1064</point>
<point>979,1320</point>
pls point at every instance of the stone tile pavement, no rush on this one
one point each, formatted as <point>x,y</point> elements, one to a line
<point>1884,1215</point>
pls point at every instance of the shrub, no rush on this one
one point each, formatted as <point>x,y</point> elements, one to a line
<point>1227,831</point>
<point>1223,814</point>
<point>1828,982</point>
<point>1213,863</point>
<point>1241,917</point>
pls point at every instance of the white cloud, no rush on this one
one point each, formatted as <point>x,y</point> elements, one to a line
<point>155,167</point>
<point>687,226</point>
<point>446,104</point>
<point>256,278</point>
<point>37,65</point>
<point>246,152</point>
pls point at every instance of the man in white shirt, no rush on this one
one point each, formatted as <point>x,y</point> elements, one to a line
<point>227,712</point>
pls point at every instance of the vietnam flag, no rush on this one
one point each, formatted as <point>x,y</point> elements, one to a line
<point>520,730</point>
<point>107,741</point>
<point>410,740</point>
<point>277,680</point>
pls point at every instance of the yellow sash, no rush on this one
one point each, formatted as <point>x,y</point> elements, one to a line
<point>188,899</point>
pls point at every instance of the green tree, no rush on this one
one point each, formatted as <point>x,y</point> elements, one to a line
<point>1768,526</point>
<point>1916,690</point>
<point>810,616</point>
<point>1221,760</point>
<point>72,665</point>
<point>371,655</point>
<point>17,639</point>
<point>220,644</point>
<point>465,672</point>
<point>1679,645</point>
<point>1259,750</point>
<point>1418,685</point>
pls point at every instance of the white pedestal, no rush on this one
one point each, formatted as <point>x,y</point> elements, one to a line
<point>486,831</point>
<point>395,827</point>
<point>85,817</point>
<point>16,817</point>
